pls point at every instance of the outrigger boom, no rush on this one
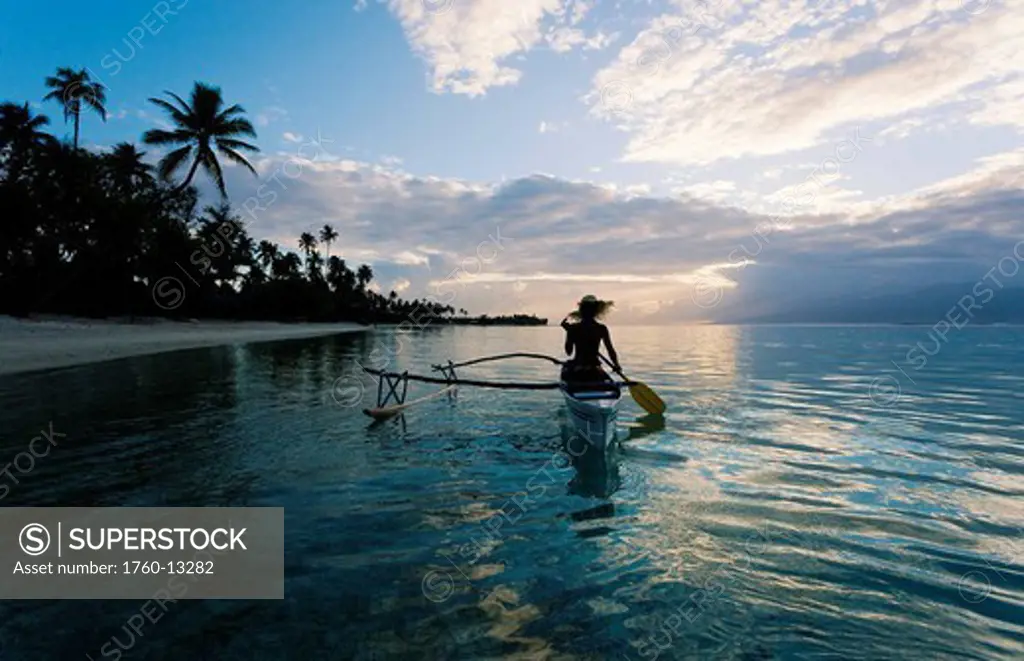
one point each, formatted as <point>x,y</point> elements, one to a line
<point>591,404</point>
<point>509,385</point>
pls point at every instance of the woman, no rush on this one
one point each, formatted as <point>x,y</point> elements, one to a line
<point>583,342</point>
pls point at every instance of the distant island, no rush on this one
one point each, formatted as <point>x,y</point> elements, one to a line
<point>102,235</point>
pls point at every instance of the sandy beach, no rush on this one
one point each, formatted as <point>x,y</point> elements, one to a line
<point>36,344</point>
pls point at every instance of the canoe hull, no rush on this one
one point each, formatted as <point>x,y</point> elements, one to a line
<point>593,416</point>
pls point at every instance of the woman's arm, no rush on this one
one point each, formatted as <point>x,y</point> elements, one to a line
<point>568,337</point>
<point>614,357</point>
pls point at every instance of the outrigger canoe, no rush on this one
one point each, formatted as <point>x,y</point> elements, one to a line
<point>593,407</point>
<point>593,413</point>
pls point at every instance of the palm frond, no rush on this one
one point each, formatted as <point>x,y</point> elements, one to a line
<point>186,108</point>
<point>172,162</point>
<point>237,126</point>
<point>209,162</point>
<point>179,117</point>
<point>96,102</point>
<point>206,101</point>
<point>228,112</point>
<point>231,143</point>
<point>97,90</point>
<point>162,137</point>
<point>234,156</point>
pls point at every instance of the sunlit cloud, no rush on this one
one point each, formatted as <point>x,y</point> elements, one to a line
<point>726,84</point>
<point>467,45</point>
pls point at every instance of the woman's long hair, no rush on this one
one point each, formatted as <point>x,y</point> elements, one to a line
<point>595,309</point>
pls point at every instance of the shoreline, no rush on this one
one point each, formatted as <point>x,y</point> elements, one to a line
<point>30,345</point>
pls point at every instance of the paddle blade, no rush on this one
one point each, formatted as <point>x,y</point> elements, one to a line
<point>647,398</point>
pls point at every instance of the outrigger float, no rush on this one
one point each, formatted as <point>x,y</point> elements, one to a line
<point>593,407</point>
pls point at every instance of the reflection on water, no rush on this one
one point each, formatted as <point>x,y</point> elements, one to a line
<point>645,425</point>
<point>596,473</point>
<point>784,507</point>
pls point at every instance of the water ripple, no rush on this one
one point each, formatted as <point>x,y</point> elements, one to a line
<point>786,507</point>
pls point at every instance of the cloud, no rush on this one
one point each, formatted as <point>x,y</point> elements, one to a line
<point>739,80</point>
<point>563,40</point>
<point>715,191</point>
<point>548,127</point>
<point>270,114</point>
<point>481,243</point>
<point>902,129</point>
<point>1002,105</point>
<point>288,136</point>
<point>410,258</point>
<point>466,44</point>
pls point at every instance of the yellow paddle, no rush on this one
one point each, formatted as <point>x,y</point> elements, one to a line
<point>641,393</point>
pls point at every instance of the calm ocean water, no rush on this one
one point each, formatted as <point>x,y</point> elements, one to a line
<point>812,493</point>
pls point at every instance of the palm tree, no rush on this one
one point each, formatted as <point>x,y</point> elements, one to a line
<point>225,242</point>
<point>245,251</point>
<point>333,275</point>
<point>127,169</point>
<point>348,279</point>
<point>287,265</point>
<point>20,135</point>
<point>204,128</point>
<point>71,89</point>
<point>267,252</point>
<point>314,264</point>
<point>255,276</point>
<point>18,127</point>
<point>327,237</point>
<point>364,275</point>
<point>307,243</point>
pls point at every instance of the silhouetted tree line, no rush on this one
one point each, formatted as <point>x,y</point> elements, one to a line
<point>501,320</point>
<point>102,234</point>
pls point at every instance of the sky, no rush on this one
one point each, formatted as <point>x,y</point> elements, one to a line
<point>684,158</point>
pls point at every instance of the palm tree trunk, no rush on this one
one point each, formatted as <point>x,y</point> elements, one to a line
<point>78,116</point>
<point>188,179</point>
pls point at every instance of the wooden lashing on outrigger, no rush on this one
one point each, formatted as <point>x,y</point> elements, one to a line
<point>392,380</point>
<point>448,372</point>
<point>386,409</point>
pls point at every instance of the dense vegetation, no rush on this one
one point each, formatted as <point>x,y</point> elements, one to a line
<point>104,234</point>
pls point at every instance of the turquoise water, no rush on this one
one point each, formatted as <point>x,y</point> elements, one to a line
<point>803,498</point>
